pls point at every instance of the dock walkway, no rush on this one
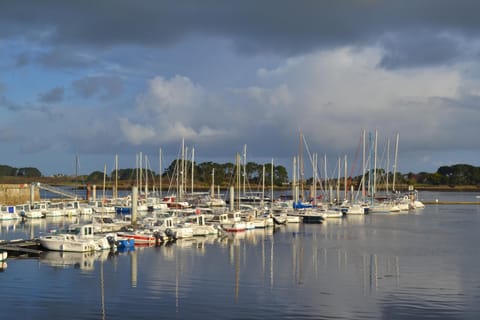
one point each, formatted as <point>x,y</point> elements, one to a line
<point>21,247</point>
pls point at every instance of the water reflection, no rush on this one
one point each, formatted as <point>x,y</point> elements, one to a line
<point>8,226</point>
<point>358,267</point>
<point>80,260</point>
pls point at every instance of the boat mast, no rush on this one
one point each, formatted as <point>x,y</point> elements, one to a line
<point>314,189</point>
<point>212,189</point>
<point>263,186</point>
<point>395,163</point>
<point>76,176</point>
<point>237,161</point>
<point>375,165</point>
<point>104,179</point>
<point>244,167</point>
<point>185,171</point>
<point>136,169</point>
<point>294,181</point>
<point>116,176</point>
<point>146,177</point>
<point>193,166</point>
<point>363,167</point>
<point>271,185</point>
<point>181,171</point>
<point>300,167</point>
<point>161,171</point>
<point>345,180</point>
<point>140,161</point>
<point>388,164</point>
<point>338,181</point>
<point>326,177</point>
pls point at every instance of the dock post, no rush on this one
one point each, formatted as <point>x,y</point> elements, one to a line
<point>134,205</point>
<point>32,194</point>
<point>232,198</point>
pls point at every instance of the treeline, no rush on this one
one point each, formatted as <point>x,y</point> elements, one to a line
<point>455,175</point>
<point>204,173</point>
<point>224,174</point>
<point>7,171</point>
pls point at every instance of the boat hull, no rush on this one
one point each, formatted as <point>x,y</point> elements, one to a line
<point>139,238</point>
<point>57,243</point>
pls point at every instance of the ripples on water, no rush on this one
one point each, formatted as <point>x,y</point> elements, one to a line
<point>406,266</point>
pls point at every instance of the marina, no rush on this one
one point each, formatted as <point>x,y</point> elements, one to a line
<point>416,264</point>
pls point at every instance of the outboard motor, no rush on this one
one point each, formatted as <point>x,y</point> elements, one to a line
<point>171,234</point>
<point>111,241</point>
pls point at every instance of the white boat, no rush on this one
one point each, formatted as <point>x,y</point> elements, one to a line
<point>8,213</point>
<point>105,224</point>
<point>36,211</point>
<point>260,222</point>
<point>171,202</point>
<point>329,213</point>
<point>354,209</point>
<point>77,238</point>
<point>172,228</point>
<point>227,224</point>
<point>199,225</point>
<point>3,256</point>
<point>102,207</point>
<point>384,207</point>
<point>417,204</point>
<point>293,218</point>
<point>72,208</point>
<point>311,216</point>
<point>326,212</point>
<point>54,209</point>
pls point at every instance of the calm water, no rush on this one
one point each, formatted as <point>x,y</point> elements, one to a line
<point>405,266</point>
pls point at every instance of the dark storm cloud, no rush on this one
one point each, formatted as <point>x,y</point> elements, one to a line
<point>105,87</point>
<point>53,95</point>
<point>423,49</point>
<point>281,26</point>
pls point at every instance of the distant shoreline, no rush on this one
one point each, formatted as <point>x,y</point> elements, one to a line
<point>125,185</point>
<point>449,188</point>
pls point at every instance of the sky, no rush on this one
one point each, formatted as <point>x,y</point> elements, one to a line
<point>88,80</point>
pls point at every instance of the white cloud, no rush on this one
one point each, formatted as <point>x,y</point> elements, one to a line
<point>331,96</point>
<point>171,109</point>
<point>334,94</point>
<point>174,97</point>
<point>136,134</point>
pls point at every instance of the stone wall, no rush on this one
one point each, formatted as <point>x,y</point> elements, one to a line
<point>11,194</point>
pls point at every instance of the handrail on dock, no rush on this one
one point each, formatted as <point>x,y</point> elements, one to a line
<point>56,190</point>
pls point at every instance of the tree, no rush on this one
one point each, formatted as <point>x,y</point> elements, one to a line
<point>95,176</point>
<point>7,171</point>
<point>29,172</point>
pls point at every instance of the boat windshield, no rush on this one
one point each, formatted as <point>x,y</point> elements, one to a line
<point>73,230</point>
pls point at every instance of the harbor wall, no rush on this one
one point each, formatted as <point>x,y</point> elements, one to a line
<point>11,194</point>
